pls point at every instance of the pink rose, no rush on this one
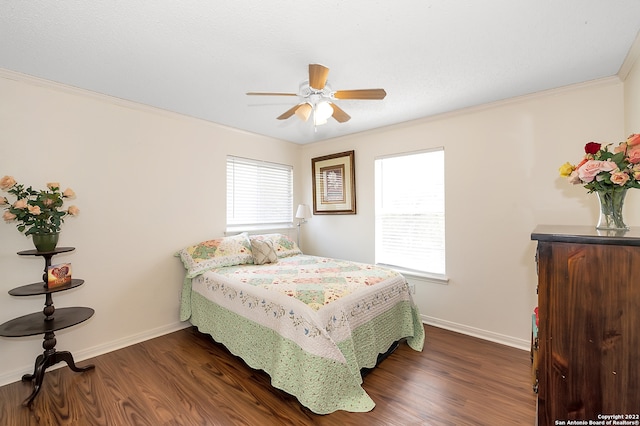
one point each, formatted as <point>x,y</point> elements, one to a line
<point>591,168</point>
<point>636,172</point>
<point>68,193</point>
<point>7,182</point>
<point>622,147</point>
<point>34,210</point>
<point>574,178</point>
<point>584,160</point>
<point>73,210</point>
<point>8,216</point>
<point>619,178</point>
<point>633,139</point>
<point>3,201</point>
<point>20,204</point>
<point>634,154</point>
<point>53,185</point>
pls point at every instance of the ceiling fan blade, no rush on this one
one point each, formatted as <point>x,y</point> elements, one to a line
<point>288,113</point>
<point>339,114</point>
<point>360,94</point>
<point>270,94</point>
<point>318,76</point>
<point>304,111</point>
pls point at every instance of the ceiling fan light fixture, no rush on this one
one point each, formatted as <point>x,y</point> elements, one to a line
<point>304,111</point>
<point>322,112</point>
<point>316,96</point>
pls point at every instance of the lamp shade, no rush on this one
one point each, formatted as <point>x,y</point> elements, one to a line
<point>322,112</point>
<point>304,111</point>
<point>303,212</point>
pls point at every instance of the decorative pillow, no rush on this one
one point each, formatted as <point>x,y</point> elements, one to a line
<point>226,251</point>
<point>263,252</point>
<point>282,244</point>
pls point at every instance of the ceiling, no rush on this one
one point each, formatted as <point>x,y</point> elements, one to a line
<point>200,57</point>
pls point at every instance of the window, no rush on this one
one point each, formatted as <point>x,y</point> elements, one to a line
<point>410,212</point>
<point>259,194</point>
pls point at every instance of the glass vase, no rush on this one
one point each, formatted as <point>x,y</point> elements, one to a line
<point>45,242</point>
<point>611,203</point>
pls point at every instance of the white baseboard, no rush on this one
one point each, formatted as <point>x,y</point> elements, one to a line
<point>479,333</point>
<point>16,375</point>
<point>82,355</point>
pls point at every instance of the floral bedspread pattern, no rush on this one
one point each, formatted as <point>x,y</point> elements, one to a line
<point>316,281</point>
<point>330,317</point>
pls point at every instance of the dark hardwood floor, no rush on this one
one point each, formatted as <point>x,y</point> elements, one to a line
<point>184,378</point>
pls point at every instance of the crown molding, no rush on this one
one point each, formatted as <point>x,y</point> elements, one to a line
<point>113,100</point>
<point>630,59</point>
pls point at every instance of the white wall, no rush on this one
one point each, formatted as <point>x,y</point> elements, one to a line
<point>501,168</point>
<point>151,182</point>
<point>148,183</point>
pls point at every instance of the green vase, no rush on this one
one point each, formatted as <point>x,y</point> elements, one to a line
<point>611,203</point>
<point>46,242</point>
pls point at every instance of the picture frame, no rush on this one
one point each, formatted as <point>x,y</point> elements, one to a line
<point>334,183</point>
<point>58,275</point>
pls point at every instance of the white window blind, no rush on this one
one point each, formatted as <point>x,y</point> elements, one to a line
<point>409,224</point>
<point>259,194</point>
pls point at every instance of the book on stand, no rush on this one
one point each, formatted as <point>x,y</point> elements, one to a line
<point>58,275</point>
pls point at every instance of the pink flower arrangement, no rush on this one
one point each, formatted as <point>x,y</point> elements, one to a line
<point>604,170</point>
<point>36,212</point>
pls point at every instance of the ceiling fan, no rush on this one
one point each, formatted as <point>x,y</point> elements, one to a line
<point>318,98</point>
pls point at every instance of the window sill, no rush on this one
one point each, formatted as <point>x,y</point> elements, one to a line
<point>419,275</point>
<point>258,229</point>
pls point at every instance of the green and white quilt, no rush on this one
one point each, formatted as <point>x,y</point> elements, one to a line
<point>310,322</point>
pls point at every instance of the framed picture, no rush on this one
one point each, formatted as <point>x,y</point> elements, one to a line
<point>334,184</point>
<point>58,275</point>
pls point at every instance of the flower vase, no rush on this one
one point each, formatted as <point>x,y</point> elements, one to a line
<point>45,242</point>
<point>611,202</point>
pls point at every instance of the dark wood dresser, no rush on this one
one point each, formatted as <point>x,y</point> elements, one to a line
<point>589,325</point>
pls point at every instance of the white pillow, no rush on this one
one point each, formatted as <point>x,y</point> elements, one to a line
<point>282,244</point>
<point>263,252</point>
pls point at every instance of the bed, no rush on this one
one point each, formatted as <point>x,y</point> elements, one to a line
<point>311,323</point>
